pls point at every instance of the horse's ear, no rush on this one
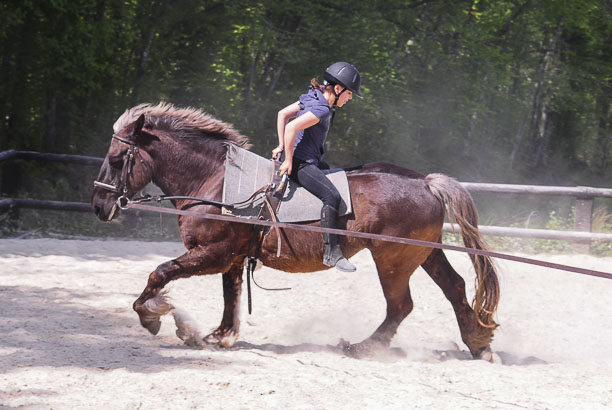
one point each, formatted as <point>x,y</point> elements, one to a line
<point>138,125</point>
<point>142,137</point>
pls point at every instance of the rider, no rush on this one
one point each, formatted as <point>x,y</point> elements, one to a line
<point>303,139</point>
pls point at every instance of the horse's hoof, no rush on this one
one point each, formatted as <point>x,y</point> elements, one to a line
<point>151,323</point>
<point>190,339</point>
<point>485,353</point>
<point>212,340</point>
<point>357,350</point>
<point>221,339</point>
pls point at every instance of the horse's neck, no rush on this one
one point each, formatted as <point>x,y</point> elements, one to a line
<point>189,173</point>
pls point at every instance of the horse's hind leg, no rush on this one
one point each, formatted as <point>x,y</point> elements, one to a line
<point>474,335</point>
<point>228,331</point>
<point>394,271</point>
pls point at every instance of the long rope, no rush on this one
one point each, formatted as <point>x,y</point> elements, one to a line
<point>372,236</point>
<point>158,198</point>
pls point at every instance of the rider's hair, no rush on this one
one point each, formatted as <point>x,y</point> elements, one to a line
<point>315,84</point>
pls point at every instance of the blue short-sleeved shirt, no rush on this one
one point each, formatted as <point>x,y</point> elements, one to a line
<point>309,143</point>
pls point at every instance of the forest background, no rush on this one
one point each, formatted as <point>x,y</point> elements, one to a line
<point>484,91</point>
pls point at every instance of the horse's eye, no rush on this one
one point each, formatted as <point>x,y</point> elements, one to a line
<point>116,164</point>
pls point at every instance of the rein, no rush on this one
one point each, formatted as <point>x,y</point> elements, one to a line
<point>124,201</point>
<point>371,236</point>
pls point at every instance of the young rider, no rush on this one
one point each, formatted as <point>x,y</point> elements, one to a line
<point>303,139</point>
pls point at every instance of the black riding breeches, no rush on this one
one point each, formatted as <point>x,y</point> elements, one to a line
<point>314,180</point>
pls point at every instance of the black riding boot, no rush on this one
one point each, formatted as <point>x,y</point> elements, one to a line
<point>332,255</point>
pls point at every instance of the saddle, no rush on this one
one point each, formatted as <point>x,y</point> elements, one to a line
<point>246,172</point>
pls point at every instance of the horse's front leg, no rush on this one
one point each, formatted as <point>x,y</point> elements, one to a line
<point>151,304</point>
<point>226,335</point>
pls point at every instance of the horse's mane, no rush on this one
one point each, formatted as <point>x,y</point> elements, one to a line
<point>182,122</point>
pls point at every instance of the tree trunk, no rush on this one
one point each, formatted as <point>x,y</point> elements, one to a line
<point>467,141</point>
<point>518,137</point>
<point>51,123</point>
<point>19,98</point>
<point>250,86</point>
<point>541,131</point>
<point>537,94</point>
<point>278,72</point>
<point>604,134</point>
<point>281,67</point>
<point>142,67</point>
<point>544,132</point>
<point>152,17</point>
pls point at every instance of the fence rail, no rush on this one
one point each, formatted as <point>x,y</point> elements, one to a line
<point>16,203</point>
<point>535,233</point>
<point>579,191</point>
<point>581,236</point>
<point>583,210</point>
<point>67,158</point>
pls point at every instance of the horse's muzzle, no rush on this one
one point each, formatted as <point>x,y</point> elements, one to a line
<point>104,205</point>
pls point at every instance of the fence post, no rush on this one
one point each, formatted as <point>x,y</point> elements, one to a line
<point>12,177</point>
<point>582,222</point>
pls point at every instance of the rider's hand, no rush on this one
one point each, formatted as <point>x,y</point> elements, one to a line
<point>276,152</point>
<point>285,167</point>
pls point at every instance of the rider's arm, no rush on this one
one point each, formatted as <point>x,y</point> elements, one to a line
<point>304,121</point>
<point>283,118</point>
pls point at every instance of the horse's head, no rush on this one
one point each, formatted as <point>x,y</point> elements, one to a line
<point>126,170</point>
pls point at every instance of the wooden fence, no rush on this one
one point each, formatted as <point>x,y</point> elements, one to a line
<point>583,212</point>
<point>581,236</point>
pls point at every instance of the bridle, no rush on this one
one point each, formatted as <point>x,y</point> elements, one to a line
<point>128,161</point>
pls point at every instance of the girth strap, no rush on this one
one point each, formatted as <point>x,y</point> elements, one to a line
<point>272,201</point>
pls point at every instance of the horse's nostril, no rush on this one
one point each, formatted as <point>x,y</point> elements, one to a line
<point>97,210</point>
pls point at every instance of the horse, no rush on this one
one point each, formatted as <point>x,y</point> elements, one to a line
<point>182,151</point>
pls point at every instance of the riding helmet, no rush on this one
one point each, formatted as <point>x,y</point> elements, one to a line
<point>344,74</point>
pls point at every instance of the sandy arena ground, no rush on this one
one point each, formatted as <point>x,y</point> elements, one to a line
<point>69,338</point>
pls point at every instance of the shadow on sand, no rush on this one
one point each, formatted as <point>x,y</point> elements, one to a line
<point>392,353</point>
<point>53,327</point>
<point>58,328</point>
<point>339,349</point>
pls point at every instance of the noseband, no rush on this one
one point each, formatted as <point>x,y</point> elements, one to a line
<point>128,161</point>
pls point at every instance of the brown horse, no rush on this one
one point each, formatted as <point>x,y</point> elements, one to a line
<point>183,151</point>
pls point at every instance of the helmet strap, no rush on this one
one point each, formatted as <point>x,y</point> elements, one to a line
<point>333,107</point>
<point>337,94</point>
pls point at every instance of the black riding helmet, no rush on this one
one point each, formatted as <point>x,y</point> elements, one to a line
<point>344,74</point>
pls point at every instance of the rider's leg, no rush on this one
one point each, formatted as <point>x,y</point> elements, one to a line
<point>315,181</point>
<point>332,255</point>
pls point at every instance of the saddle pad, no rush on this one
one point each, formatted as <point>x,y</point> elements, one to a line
<point>246,172</point>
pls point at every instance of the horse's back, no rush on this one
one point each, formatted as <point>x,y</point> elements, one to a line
<point>393,195</point>
<point>384,168</point>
